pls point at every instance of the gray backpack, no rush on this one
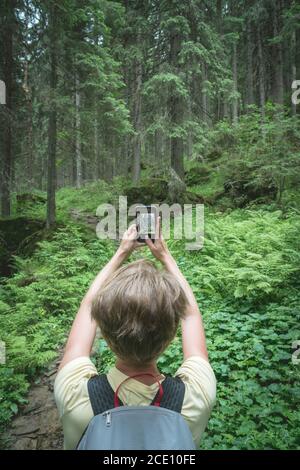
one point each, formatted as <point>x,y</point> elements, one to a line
<point>158,426</point>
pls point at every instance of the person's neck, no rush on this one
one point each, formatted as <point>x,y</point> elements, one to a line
<point>130,370</point>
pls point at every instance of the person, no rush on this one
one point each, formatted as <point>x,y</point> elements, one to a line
<point>138,308</point>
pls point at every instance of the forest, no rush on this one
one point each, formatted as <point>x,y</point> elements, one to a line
<point>176,102</point>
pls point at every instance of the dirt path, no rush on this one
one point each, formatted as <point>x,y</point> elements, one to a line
<point>37,426</point>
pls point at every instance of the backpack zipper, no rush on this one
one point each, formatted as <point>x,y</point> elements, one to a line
<point>108,417</point>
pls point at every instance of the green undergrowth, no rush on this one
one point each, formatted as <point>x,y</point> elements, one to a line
<point>246,280</point>
<point>38,305</point>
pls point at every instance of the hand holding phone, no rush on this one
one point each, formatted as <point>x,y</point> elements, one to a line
<point>146,219</point>
<point>158,246</point>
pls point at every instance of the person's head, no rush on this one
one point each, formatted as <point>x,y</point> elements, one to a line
<point>138,310</point>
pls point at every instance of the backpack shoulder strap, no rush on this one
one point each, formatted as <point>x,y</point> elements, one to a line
<point>101,394</point>
<point>174,390</point>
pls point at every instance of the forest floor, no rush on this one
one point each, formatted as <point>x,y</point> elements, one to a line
<point>37,426</point>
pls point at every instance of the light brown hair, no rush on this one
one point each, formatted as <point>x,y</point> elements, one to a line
<point>138,310</point>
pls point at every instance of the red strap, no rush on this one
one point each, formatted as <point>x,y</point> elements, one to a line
<point>157,401</point>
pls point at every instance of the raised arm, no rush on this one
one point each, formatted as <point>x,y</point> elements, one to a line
<point>83,331</point>
<point>193,335</point>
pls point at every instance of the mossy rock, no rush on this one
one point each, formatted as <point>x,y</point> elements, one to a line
<point>28,199</point>
<point>242,192</point>
<point>4,257</point>
<point>215,198</point>
<point>19,236</point>
<point>150,191</point>
<point>196,175</point>
<point>214,154</point>
<point>194,198</point>
<point>161,190</point>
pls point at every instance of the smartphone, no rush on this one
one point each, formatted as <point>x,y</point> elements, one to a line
<point>146,218</point>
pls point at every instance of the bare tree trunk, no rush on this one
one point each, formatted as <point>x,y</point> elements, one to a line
<point>6,174</point>
<point>219,6</point>
<point>158,145</point>
<point>203,93</point>
<point>294,67</point>
<point>225,109</point>
<point>262,97</point>
<point>176,112</point>
<point>250,87</point>
<point>78,135</point>
<point>137,118</point>
<point>277,58</point>
<point>29,142</point>
<point>96,174</point>
<point>235,84</point>
<point>52,125</point>
<point>126,148</point>
<point>126,155</point>
<point>190,135</point>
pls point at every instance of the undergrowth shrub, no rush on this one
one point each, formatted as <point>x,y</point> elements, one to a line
<point>245,280</point>
<point>247,254</point>
<point>38,305</point>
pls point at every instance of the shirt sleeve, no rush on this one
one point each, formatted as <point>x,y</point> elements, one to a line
<point>71,383</point>
<point>72,398</point>
<point>200,393</point>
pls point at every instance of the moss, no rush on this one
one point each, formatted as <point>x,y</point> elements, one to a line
<point>243,191</point>
<point>26,200</point>
<point>18,236</point>
<point>197,174</point>
<point>150,191</point>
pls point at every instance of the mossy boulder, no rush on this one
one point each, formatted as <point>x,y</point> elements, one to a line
<point>149,191</point>
<point>4,257</point>
<point>26,200</point>
<point>194,198</point>
<point>18,236</point>
<point>243,191</point>
<point>214,154</point>
<point>169,189</point>
<point>197,175</point>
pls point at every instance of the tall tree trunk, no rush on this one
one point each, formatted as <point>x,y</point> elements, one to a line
<point>96,174</point>
<point>190,135</point>
<point>219,6</point>
<point>176,111</point>
<point>294,66</point>
<point>137,119</point>
<point>6,174</point>
<point>235,84</point>
<point>158,145</point>
<point>78,135</point>
<point>29,140</point>
<point>262,96</point>
<point>278,86</point>
<point>204,93</point>
<point>126,147</point>
<point>52,125</point>
<point>250,87</point>
<point>225,108</point>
